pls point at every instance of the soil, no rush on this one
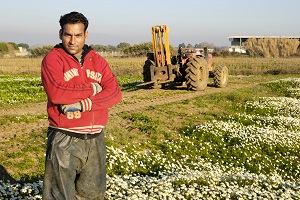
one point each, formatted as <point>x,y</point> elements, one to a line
<point>132,101</point>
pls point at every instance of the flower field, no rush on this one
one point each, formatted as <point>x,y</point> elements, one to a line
<point>20,90</point>
<point>253,153</point>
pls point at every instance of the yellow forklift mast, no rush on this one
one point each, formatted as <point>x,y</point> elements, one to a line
<point>161,47</point>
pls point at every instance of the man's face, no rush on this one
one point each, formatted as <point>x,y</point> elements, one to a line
<point>73,38</point>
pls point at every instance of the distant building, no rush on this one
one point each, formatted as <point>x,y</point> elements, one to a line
<point>237,41</point>
<point>22,52</point>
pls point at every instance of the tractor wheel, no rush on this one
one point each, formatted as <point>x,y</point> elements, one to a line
<point>196,74</point>
<point>220,76</point>
<point>146,70</point>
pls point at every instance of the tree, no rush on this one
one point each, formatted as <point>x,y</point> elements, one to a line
<point>23,45</point>
<point>104,48</point>
<point>182,45</point>
<point>40,51</point>
<point>123,45</point>
<point>205,44</point>
<point>139,49</point>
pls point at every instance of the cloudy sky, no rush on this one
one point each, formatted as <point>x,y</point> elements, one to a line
<point>35,22</point>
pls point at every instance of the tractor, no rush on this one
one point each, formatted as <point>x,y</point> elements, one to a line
<point>191,66</point>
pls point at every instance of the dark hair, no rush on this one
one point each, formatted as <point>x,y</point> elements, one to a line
<point>73,18</point>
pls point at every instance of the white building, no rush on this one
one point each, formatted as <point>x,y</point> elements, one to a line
<point>22,52</point>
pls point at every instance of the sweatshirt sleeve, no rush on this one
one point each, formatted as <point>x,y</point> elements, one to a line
<point>111,92</point>
<point>58,90</point>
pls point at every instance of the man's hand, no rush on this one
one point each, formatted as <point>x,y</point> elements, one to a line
<point>71,107</point>
<point>97,88</point>
<point>73,110</point>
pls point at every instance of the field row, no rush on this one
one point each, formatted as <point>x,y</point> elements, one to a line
<point>134,66</point>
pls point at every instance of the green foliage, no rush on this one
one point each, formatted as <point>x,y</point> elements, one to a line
<point>123,45</point>
<point>24,45</point>
<point>243,145</point>
<point>182,45</point>
<point>129,83</point>
<point>6,119</point>
<point>40,51</point>
<point>21,89</point>
<point>282,87</point>
<point>25,153</point>
<point>143,123</point>
<point>205,44</point>
<point>104,48</point>
<point>139,49</point>
<point>133,51</point>
<point>143,48</point>
<point>217,143</point>
<point>3,47</point>
<point>15,46</point>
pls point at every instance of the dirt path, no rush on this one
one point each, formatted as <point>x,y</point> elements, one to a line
<point>142,99</point>
<point>134,100</point>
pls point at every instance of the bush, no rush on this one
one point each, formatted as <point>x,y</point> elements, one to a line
<point>3,47</point>
<point>40,51</point>
<point>14,45</point>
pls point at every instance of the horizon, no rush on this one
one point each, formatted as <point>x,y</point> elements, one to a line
<point>114,22</point>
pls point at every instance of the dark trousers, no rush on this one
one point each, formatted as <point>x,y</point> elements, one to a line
<point>75,168</point>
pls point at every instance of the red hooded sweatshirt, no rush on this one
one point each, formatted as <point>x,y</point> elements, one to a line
<point>67,81</point>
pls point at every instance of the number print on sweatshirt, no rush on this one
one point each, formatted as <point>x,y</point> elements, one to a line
<point>74,115</point>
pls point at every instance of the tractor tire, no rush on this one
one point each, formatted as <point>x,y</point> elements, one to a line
<point>196,74</point>
<point>220,76</point>
<point>146,70</point>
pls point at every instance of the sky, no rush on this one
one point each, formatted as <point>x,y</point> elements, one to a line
<point>36,22</point>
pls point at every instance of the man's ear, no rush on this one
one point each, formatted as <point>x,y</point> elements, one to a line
<point>60,33</point>
<point>86,35</point>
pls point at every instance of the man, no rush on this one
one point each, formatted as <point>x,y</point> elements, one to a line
<point>80,87</point>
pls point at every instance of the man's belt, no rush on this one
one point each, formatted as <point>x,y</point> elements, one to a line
<point>77,135</point>
<point>81,136</point>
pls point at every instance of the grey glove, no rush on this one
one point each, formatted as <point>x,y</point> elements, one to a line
<point>71,107</point>
<point>97,88</point>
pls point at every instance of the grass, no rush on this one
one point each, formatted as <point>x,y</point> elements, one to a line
<point>21,89</point>
<point>153,125</point>
<point>27,118</point>
<point>24,156</point>
<point>238,132</point>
